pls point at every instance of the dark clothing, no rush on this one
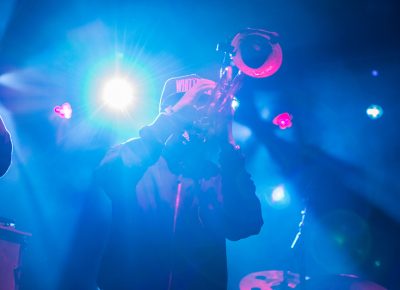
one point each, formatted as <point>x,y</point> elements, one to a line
<point>171,215</point>
<point>5,149</point>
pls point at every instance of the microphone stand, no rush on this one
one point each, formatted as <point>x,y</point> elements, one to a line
<point>301,248</point>
<point>301,224</point>
<point>298,244</point>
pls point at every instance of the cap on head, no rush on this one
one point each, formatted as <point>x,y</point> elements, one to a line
<point>175,88</point>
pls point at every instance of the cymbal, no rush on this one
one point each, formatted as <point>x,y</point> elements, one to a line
<point>265,280</point>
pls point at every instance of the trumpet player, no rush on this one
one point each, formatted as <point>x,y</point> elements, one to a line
<point>178,192</point>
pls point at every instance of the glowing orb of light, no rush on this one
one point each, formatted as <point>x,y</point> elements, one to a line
<point>279,198</point>
<point>374,112</point>
<point>64,111</point>
<point>278,194</point>
<point>118,93</point>
<point>235,103</point>
<point>283,120</point>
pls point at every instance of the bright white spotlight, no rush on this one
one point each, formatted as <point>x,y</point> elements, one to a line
<point>374,111</point>
<point>279,198</point>
<point>278,194</point>
<point>118,93</point>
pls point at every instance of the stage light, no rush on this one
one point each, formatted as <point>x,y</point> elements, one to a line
<point>278,198</point>
<point>278,194</point>
<point>374,112</point>
<point>118,93</point>
<point>64,111</point>
<point>235,103</point>
<point>374,73</point>
<point>283,120</point>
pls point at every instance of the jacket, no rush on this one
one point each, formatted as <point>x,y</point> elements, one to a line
<point>170,216</point>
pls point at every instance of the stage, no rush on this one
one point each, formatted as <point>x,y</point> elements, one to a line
<point>319,135</point>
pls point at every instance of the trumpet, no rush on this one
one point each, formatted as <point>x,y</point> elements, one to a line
<point>252,52</point>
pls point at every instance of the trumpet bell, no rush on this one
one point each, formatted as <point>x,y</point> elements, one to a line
<point>256,52</point>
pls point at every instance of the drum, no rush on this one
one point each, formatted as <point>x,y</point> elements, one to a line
<point>269,280</point>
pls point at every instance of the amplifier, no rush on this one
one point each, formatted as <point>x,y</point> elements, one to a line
<point>12,242</point>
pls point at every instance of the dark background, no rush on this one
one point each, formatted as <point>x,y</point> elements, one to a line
<point>335,160</point>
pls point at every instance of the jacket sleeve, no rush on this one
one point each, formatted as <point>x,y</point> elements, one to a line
<point>124,165</point>
<point>241,207</point>
<point>5,149</point>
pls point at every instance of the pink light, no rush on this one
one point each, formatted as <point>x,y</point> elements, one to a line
<point>266,280</point>
<point>283,120</point>
<point>64,111</point>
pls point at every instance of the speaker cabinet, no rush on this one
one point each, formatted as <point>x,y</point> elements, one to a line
<point>12,242</point>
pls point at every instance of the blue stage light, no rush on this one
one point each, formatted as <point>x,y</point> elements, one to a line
<point>374,111</point>
<point>278,194</point>
<point>279,197</point>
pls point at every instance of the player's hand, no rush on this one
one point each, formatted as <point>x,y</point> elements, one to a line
<point>196,97</point>
<point>194,103</point>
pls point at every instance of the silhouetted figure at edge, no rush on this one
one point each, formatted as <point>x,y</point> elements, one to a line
<point>178,192</point>
<point>5,148</point>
